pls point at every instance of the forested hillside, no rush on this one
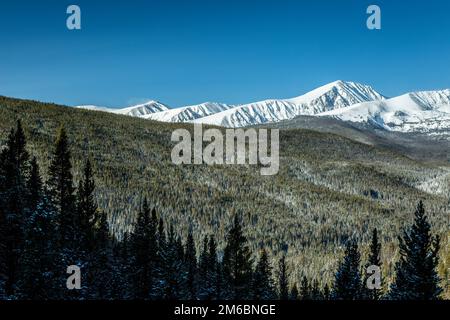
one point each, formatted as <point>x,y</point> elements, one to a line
<point>329,188</point>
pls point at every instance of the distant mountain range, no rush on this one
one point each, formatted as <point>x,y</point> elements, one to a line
<point>424,112</point>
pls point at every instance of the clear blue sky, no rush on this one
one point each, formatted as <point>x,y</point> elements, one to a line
<point>234,51</point>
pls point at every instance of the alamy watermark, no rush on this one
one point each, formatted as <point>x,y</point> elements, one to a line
<point>249,146</point>
<point>374,20</point>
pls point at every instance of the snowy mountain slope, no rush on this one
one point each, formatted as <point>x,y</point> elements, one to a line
<point>139,110</point>
<point>189,113</point>
<point>338,94</point>
<point>425,112</point>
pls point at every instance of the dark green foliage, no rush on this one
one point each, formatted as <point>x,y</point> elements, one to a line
<point>190,260</point>
<point>237,263</point>
<point>14,168</point>
<point>143,245</point>
<point>416,276</point>
<point>39,259</point>
<point>42,227</point>
<point>283,281</point>
<point>262,284</point>
<point>374,260</point>
<point>305,289</point>
<point>294,295</point>
<point>347,284</point>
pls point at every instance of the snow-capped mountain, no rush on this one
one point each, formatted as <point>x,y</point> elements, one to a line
<point>335,95</point>
<point>139,110</point>
<point>426,112</point>
<point>189,113</point>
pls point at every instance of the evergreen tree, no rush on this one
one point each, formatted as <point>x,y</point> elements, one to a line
<point>293,295</point>
<point>283,285</point>
<point>62,195</point>
<point>34,185</point>
<point>172,273</point>
<point>347,285</point>
<point>262,285</point>
<point>61,188</point>
<point>101,266</point>
<point>316,293</point>
<point>416,276</point>
<point>204,289</point>
<point>214,275</point>
<point>326,292</point>
<point>144,248</point>
<point>14,168</point>
<point>39,258</point>
<point>209,270</point>
<point>305,289</point>
<point>86,209</point>
<point>237,263</point>
<point>190,260</point>
<point>374,260</point>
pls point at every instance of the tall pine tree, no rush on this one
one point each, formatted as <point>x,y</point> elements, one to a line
<point>347,284</point>
<point>416,276</point>
<point>237,263</point>
<point>283,282</point>
<point>262,285</point>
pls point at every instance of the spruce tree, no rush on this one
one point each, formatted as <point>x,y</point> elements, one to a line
<point>347,284</point>
<point>101,265</point>
<point>14,169</point>
<point>39,260</point>
<point>62,195</point>
<point>86,210</point>
<point>283,285</point>
<point>305,289</point>
<point>293,295</point>
<point>416,276</point>
<point>262,285</point>
<point>144,249</point>
<point>34,185</point>
<point>172,272</point>
<point>204,286</point>
<point>237,263</point>
<point>374,260</point>
<point>190,260</point>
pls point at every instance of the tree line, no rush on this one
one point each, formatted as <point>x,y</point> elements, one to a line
<point>46,226</point>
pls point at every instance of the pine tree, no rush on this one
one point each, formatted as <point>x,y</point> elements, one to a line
<point>204,286</point>
<point>326,292</point>
<point>237,263</point>
<point>416,276</point>
<point>190,260</point>
<point>40,255</point>
<point>14,168</point>
<point>144,248</point>
<point>86,210</point>
<point>283,285</point>
<point>347,285</point>
<point>101,266</point>
<point>293,295</point>
<point>34,185</point>
<point>262,285</point>
<point>305,289</point>
<point>316,293</point>
<point>214,277</point>
<point>172,274</point>
<point>62,195</point>
<point>374,260</point>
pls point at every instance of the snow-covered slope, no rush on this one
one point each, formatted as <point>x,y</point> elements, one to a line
<point>426,112</point>
<point>336,95</point>
<point>139,110</point>
<point>189,113</point>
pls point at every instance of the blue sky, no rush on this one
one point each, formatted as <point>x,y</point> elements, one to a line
<point>232,51</point>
